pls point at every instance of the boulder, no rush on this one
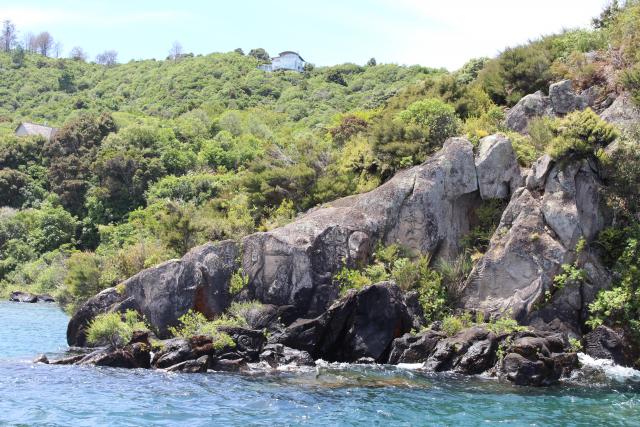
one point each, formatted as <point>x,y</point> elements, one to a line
<point>605,343</point>
<point>277,354</point>
<point>46,298</point>
<point>563,98</point>
<point>362,324</point>
<point>497,168</point>
<point>425,208</point>
<point>131,357</point>
<point>101,303</point>
<point>229,365</point>
<point>471,351</point>
<point>249,342</point>
<point>537,234</point>
<point>623,112</point>
<point>200,365</point>
<point>41,359</point>
<point>528,108</point>
<point>412,348</point>
<point>26,297</point>
<point>537,176</point>
<point>537,359</point>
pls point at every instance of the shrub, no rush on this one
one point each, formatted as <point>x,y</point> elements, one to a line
<point>194,323</point>
<point>451,325</point>
<point>581,134</point>
<point>112,329</point>
<point>504,325</point>
<point>238,282</point>
<point>437,118</point>
<point>623,175</point>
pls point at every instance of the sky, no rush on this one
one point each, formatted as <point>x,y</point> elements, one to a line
<point>442,33</point>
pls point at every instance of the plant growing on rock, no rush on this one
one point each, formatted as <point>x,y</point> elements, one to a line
<point>581,134</point>
<point>115,329</point>
<point>194,323</point>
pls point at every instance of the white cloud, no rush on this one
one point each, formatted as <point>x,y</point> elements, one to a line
<point>450,32</point>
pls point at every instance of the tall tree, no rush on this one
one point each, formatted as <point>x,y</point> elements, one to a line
<point>175,53</point>
<point>44,43</point>
<point>260,54</point>
<point>8,36</point>
<point>107,58</point>
<point>78,54</point>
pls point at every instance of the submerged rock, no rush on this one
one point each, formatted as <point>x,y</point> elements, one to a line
<point>26,297</point>
<point>362,324</point>
<point>277,354</point>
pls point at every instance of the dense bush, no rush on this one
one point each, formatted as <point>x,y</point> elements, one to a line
<point>581,134</point>
<point>114,329</point>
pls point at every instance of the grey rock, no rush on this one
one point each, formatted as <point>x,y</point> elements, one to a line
<point>450,352</point>
<point>623,112</point>
<point>229,365</point>
<point>536,235</point>
<point>497,168</point>
<point>414,348</point>
<point>528,108</point>
<point>563,98</point>
<point>200,365</point>
<point>362,324</point>
<point>41,359</point>
<point>605,343</point>
<point>538,174</point>
<point>26,297</point>
<point>277,354</point>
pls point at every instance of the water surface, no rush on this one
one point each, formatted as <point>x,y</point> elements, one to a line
<point>330,395</point>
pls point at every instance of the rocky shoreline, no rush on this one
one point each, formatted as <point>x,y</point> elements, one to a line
<point>551,209</point>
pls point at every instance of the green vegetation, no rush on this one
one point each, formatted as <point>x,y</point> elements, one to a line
<point>155,157</point>
<point>194,323</point>
<point>114,329</point>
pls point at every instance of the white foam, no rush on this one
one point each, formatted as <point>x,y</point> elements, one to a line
<point>411,366</point>
<point>608,368</point>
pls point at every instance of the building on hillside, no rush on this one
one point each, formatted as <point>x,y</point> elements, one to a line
<point>26,129</point>
<point>286,60</point>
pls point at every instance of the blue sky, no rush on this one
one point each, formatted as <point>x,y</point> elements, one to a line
<point>427,32</point>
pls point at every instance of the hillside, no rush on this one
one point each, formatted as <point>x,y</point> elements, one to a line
<point>154,158</point>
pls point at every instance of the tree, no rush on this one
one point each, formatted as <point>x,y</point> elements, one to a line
<point>260,54</point>
<point>17,57</point>
<point>239,51</point>
<point>175,53</point>
<point>607,15</point>
<point>44,43</point>
<point>78,54</point>
<point>57,49</point>
<point>108,58</point>
<point>8,36</point>
<point>372,62</point>
<point>29,42</point>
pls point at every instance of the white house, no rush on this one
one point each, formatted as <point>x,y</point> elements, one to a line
<point>26,129</point>
<point>286,60</point>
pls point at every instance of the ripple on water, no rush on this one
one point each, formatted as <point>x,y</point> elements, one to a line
<point>325,396</point>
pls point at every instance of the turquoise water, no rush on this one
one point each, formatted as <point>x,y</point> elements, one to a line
<point>85,396</point>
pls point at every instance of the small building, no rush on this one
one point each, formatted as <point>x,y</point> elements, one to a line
<point>26,129</point>
<point>286,60</point>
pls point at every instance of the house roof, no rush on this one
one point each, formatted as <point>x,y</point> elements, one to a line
<point>35,129</point>
<point>290,52</point>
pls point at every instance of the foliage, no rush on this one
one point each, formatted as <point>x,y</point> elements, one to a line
<point>114,329</point>
<point>239,281</point>
<point>581,134</point>
<point>451,325</point>
<point>194,323</point>
<point>620,306</point>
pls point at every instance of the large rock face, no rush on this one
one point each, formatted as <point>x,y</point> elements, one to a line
<point>538,233</point>
<point>564,100</point>
<point>361,325</point>
<point>424,208</point>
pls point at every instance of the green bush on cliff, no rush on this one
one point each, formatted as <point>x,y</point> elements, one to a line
<point>581,134</point>
<point>194,323</point>
<point>114,329</point>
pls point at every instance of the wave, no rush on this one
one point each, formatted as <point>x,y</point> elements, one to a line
<point>603,371</point>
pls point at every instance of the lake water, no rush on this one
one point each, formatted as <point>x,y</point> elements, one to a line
<point>326,396</point>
